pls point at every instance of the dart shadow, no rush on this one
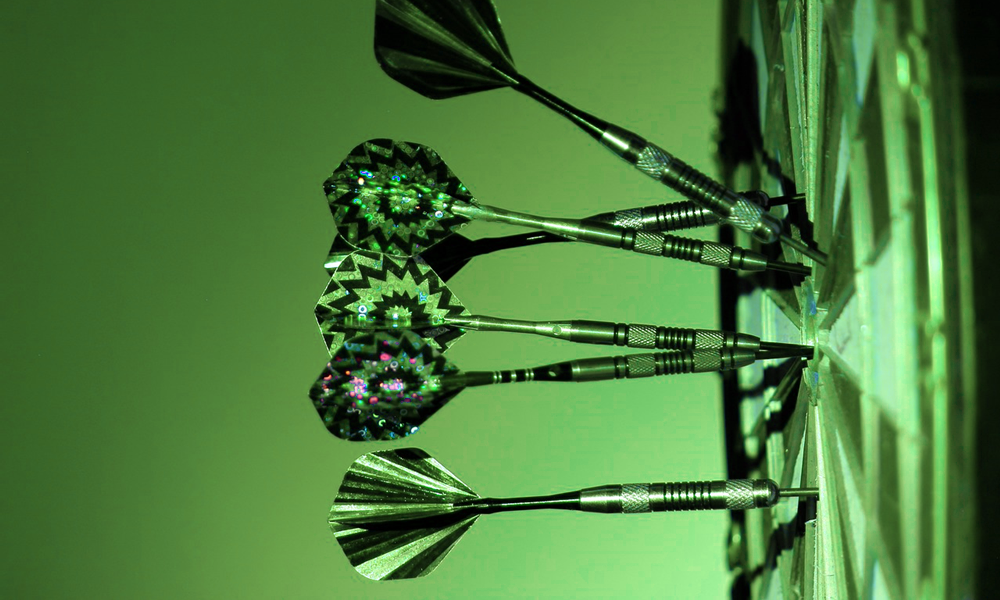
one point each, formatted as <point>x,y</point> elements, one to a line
<point>783,538</point>
<point>741,139</point>
<point>773,376</point>
<point>773,280</point>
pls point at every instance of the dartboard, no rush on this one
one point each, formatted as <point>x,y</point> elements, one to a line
<point>852,103</point>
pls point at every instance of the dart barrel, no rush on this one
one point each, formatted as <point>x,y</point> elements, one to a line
<point>660,217</point>
<point>733,494</point>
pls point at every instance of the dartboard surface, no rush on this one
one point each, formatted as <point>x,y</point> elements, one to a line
<point>853,103</point>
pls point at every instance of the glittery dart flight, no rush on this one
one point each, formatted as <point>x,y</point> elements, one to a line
<point>370,290</point>
<point>381,386</point>
<point>393,197</point>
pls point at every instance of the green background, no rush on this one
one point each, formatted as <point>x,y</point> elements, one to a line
<point>162,234</point>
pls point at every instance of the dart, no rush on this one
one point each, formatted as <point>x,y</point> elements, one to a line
<point>449,255</point>
<point>398,513</point>
<point>401,198</point>
<point>446,48</point>
<point>384,385</point>
<point>680,215</point>
<point>372,291</point>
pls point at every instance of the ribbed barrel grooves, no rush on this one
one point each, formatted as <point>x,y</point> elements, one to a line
<point>673,364</point>
<point>675,338</point>
<point>513,376</point>
<point>693,495</point>
<point>681,248</point>
<point>683,215</point>
<point>698,186</point>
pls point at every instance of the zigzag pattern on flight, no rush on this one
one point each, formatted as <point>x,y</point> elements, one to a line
<point>378,288</point>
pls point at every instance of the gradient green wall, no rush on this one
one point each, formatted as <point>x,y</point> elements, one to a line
<point>163,229</point>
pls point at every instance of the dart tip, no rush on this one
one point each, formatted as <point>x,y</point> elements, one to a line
<point>816,255</point>
<point>799,493</point>
<point>784,346</point>
<point>794,268</point>
<point>778,350</point>
<point>783,354</point>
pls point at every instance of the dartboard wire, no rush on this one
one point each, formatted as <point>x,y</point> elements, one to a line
<point>829,575</point>
<point>771,299</point>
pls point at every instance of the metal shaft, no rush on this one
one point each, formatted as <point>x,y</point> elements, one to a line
<point>731,494</point>
<point>618,334</point>
<point>643,242</point>
<point>665,168</point>
<point>606,368</point>
<point>677,215</point>
<point>659,217</point>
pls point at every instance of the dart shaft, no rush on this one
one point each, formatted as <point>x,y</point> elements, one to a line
<point>677,215</point>
<point>731,494</point>
<point>644,242</point>
<point>659,217</point>
<point>665,168</point>
<point>606,368</point>
<point>618,334</point>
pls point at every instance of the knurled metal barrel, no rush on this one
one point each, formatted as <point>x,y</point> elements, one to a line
<point>712,254</point>
<point>732,494</point>
<point>705,191</point>
<point>660,217</point>
<point>634,366</point>
<point>677,338</point>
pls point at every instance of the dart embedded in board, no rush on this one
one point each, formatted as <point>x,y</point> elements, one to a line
<point>401,198</point>
<point>444,48</point>
<point>451,254</point>
<point>370,291</point>
<point>398,513</point>
<point>384,385</point>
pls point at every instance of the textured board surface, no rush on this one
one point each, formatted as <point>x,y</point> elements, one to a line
<point>854,111</point>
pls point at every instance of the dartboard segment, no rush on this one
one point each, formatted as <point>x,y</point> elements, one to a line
<point>852,113</point>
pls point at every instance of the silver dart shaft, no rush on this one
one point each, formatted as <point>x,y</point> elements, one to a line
<point>731,494</point>
<point>643,242</point>
<point>608,333</point>
<point>605,368</point>
<point>662,166</point>
<point>676,215</point>
<point>617,334</point>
